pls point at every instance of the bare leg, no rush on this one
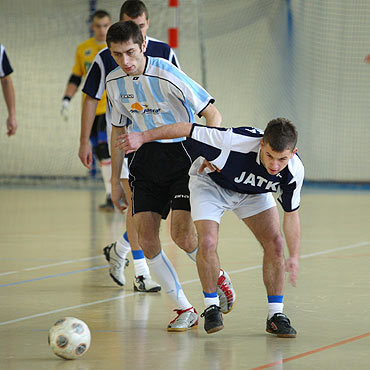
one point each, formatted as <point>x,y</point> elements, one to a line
<point>208,263</point>
<point>182,230</point>
<point>266,228</point>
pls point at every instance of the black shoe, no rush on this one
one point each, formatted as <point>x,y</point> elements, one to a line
<point>108,206</point>
<point>212,319</point>
<point>279,324</point>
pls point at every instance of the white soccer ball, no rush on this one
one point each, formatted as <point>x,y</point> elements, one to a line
<point>69,338</point>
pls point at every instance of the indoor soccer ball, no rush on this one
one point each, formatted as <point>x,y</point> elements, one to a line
<point>69,338</point>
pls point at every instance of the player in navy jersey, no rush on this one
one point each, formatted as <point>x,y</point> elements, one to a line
<point>145,92</point>
<point>243,166</point>
<point>8,91</point>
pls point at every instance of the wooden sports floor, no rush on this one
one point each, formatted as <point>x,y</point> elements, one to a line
<point>51,266</point>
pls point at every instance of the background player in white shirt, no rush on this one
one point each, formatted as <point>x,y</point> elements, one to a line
<point>247,166</point>
<point>8,91</point>
<point>147,92</point>
<point>94,88</point>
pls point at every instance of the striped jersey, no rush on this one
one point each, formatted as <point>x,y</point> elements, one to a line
<point>104,63</point>
<point>5,67</point>
<point>84,58</point>
<point>162,95</point>
<point>236,152</point>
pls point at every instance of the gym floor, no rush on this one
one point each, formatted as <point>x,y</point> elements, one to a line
<point>52,266</point>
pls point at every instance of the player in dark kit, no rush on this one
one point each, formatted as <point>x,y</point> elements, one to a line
<point>243,167</point>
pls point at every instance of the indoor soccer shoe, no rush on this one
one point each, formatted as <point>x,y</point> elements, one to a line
<point>225,292</point>
<point>185,320</point>
<point>144,283</point>
<point>212,319</point>
<point>117,264</point>
<point>279,324</point>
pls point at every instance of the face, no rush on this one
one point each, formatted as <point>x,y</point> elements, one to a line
<point>129,57</point>
<point>141,21</point>
<point>100,28</point>
<point>274,162</point>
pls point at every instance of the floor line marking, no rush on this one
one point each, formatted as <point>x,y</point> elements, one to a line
<point>308,353</point>
<point>182,283</point>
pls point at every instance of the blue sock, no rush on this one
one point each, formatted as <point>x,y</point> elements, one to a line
<point>210,295</point>
<point>137,255</point>
<point>125,236</point>
<point>275,298</point>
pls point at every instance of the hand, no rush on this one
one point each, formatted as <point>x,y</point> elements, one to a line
<point>292,266</point>
<point>117,195</point>
<point>208,165</point>
<point>130,142</point>
<point>12,126</point>
<point>64,111</point>
<point>85,155</point>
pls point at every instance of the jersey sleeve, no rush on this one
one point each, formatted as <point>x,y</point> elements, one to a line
<point>117,119</point>
<point>5,67</point>
<point>94,85</point>
<point>206,141</point>
<point>290,194</point>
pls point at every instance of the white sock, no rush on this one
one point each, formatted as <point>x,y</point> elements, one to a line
<point>141,267</point>
<point>274,308</point>
<point>166,275</point>
<point>193,254</point>
<point>106,171</point>
<point>122,247</point>
<point>211,301</point>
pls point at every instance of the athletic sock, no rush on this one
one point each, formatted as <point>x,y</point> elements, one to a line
<point>275,305</point>
<point>193,255</point>
<point>106,171</point>
<point>123,246</point>
<point>166,276</point>
<point>140,264</point>
<point>211,299</point>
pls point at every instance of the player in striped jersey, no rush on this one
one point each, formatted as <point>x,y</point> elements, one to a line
<point>146,92</point>
<point>94,87</point>
<point>243,166</point>
<point>84,57</point>
<point>8,91</point>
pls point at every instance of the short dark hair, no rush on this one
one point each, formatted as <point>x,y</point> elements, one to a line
<point>281,135</point>
<point>100,14</point>
<point>123,32</point>
<point>134,9</point>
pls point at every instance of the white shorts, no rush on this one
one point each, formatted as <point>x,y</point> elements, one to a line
<point>124,171</point>
<point>209,201</point>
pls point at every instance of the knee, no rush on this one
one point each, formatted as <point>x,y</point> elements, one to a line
<point>275,247</point>
<point>207,245</point>
<point>184,237</point>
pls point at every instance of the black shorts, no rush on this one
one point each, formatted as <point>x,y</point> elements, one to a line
<point>99,127</point>
<point>159,178</point>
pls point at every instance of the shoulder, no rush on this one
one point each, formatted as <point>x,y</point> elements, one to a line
<point>115,74</point>
<point>152,42</point>
<point>87,43</point>
<point>295,166</point>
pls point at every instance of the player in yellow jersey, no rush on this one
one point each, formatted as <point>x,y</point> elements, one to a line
<point>84,57</point>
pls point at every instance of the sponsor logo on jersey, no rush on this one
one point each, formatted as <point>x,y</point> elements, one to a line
<point>254,180</point>
<point>138,108</point>
<point>87,52</point>
<point>127,96</point>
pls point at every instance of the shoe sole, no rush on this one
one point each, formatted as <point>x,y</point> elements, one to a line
<point>281,335</point>
<point>215,330</point>
<point>179,330</point>
<point>152,290</point>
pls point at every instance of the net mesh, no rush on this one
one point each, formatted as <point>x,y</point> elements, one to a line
<point>260,59</point>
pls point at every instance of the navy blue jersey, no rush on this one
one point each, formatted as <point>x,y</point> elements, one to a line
<point>236,152</point>
<point>104,63</point>
<point>5,67</point>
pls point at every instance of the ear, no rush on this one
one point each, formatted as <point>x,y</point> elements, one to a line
<point>144,46</point>
<point>262,143</point>
<point>294,152</point>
